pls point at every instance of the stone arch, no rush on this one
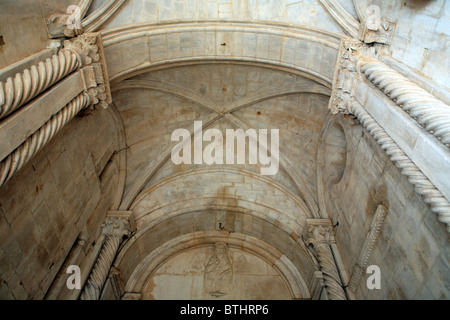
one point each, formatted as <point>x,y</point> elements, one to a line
<point>268,253</point>
<point>132,50</point>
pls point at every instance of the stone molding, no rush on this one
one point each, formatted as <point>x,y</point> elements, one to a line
<point>17,91</point>
<point>345,20</point>
<point>20,156</point>
<point>84,53</point>
<point>357,60</point>
<point>96,19</point>
<point>423,186</point>
<point>427,110</point>
<point>369,244</point>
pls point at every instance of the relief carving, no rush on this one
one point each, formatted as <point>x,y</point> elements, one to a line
<point>218,272</point>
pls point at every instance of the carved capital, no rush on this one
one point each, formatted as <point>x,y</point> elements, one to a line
<point>347,73</point>
<point>89,50</point>
<point>320,231</point>
<point>118,224</point>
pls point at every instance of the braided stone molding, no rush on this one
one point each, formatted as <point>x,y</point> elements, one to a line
<point>14,93</point>
<point>320,236</point>
<point>20,156</point>
<point>115,228</point>
<point>438,203</point>
<point>369,245</point>
<point>427,110</point>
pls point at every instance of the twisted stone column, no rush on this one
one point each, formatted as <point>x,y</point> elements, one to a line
<point>431,195</point>
<point>14,93</point>
<point>430,112</point>
<point>20,156</point>
<point>320,236</point>
<point>114,229</point>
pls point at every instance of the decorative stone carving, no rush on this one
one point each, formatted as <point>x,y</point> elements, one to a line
<point>320,235</point>
<point>346,75</point>
<point>431,195</point>
<point>369,245</point>
<point>218,271</point>
<point>430,112</point>
<point>88,47</point>
<point>14,93</point>
<point>20,156</point>
<point>116,226</point>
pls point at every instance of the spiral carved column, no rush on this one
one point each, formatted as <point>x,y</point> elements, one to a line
<point>427,110</point>
<point>115,229</point>
<point>320,236</point>
<point>14,93</point>
<point>20,156</point>
<point>438,203</point>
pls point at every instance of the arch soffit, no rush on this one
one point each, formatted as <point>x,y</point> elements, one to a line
<point>132,50</point>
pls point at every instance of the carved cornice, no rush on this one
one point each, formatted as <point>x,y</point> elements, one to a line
<point>17,91</point>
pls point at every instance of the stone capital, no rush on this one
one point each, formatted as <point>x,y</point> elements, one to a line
<point>320,231</point>
<point>119,224</point>
<point>347,72</point>
<point>88,48</point>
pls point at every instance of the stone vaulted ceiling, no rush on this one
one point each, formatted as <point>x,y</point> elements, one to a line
<point>301,67</point>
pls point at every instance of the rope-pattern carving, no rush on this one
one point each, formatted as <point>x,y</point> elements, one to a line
<point>368,247</point>
<point>14,93</point>
<point>438,203</point>
<point>329,271</point>
<point>20,156</point>
<point>427,110</point>
<point>99,273</point>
